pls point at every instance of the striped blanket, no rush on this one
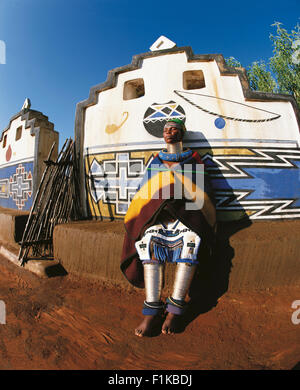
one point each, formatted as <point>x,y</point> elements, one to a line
<point>184,191</point>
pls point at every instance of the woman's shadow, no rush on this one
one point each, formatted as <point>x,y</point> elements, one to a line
<point>211,279</point>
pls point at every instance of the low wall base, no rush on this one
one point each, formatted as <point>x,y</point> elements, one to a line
<point>257,255</point>
<point>12,225</point>
<point>90,249</point>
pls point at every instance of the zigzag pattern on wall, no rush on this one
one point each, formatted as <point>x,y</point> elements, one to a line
<point>252,183</point>
<point>231,166</point>
<point>257,209</point>
<point>263,183</point>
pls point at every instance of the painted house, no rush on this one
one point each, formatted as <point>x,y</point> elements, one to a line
<point>24,145</point>
<point>249,141</point>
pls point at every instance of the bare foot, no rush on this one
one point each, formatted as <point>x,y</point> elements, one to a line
<point>171,324</point>
<point>146,326</point>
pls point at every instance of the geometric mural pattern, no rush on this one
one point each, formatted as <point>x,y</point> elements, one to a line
<point>115,181</point>
<point>157,115</point>
<point>261,182</point>
<point>18,187</point>
<point>265,182</point>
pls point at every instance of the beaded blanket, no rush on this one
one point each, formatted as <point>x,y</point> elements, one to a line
<point>184,191</point>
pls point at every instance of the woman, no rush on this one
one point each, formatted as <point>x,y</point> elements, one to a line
<point>162,228</point>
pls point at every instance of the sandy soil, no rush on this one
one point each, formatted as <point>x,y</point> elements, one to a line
<point>66,323</point>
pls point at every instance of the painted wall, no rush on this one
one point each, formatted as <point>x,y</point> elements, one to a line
<point>248,140</point>
<point>24,145</point>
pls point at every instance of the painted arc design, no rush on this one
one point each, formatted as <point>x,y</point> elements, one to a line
<point>230,108</point>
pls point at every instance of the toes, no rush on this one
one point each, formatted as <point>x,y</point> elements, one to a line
<point>138,332</point>
<point>170,325</point>
<point>167,330</point>
<point>148,325</point>
<point>164,329</point>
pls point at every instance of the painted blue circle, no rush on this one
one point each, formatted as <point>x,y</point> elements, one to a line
<point>220,123</point>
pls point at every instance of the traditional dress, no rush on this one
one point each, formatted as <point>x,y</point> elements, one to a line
<point>171,242</point>
<point>169,216</point>
<point>150,200</point>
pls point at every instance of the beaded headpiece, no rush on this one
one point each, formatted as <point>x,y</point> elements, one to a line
<point>179,122</point>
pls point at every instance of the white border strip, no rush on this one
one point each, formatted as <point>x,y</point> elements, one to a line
<point>12,163</point>
<point>226,143</point>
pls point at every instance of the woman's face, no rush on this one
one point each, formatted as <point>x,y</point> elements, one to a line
<point>172,134</point>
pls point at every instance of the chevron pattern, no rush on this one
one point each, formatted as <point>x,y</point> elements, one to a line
<point>262,183</point>
<point>232,166</point>
<point>256,209</point>
<point>261,167</point>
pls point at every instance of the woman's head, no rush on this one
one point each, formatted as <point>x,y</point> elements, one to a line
<point>173,131</point>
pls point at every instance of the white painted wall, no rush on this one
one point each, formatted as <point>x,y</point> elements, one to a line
<point>23,149</point>
<point>162,75</point>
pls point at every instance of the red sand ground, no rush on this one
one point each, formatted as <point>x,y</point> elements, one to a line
<point>66,323</point>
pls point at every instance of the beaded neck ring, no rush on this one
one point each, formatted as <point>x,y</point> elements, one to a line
<point>164,155</point>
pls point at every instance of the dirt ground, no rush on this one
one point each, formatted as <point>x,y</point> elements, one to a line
<point>68,323</point>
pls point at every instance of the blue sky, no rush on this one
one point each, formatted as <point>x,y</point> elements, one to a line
<point>57,50</point>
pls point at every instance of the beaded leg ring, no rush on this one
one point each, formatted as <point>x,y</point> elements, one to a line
<point>175,306</point>
<point>153,308</point>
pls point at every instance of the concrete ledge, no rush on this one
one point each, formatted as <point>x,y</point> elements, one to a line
<point>266,254</point>
<point>12,225</point>
<point>91,249</point>
<point>42,268</point>
<point>9,254</point>
<point>45,268</point>
<point>257,255</point>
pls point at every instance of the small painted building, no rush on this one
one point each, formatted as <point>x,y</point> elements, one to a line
<point>24,146</point>
<point>249,141</point>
